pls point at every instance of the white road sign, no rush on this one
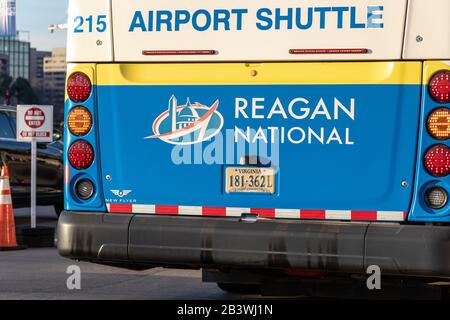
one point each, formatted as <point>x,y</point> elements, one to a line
<point>35,123</point>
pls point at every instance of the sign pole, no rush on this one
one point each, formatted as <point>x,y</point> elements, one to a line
<point>34,125</point>
<point>33,183</point>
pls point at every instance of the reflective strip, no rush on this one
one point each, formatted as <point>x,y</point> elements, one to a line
<point>264,213</point>
<point>338,215</point>
<point>287,214</point>
<point>120,208</point>
<point>313,214</point>
<point>237,212</point>
<point>170,210</point>
<point>4,183</point>
<point>391,216</point>
<point>364,215</point>
<point>143,209</point>
<point>190,211</point>
<point>267,213</point>
<point>214,212</point>
<point>5,199</point>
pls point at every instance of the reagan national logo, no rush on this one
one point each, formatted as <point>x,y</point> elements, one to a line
<point>187,124</point>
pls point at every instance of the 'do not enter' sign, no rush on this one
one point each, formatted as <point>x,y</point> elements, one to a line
<point>34,118</point>
<point>34,123</point>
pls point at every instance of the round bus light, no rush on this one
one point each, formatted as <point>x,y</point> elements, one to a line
<point>437,160</point>
<point>436,198</point>
<point>84,189</point>
<point>79,121</point>
<point>81,155</point>
<point>440,87</point>
<point>79,87</point>
<point>438,123</point>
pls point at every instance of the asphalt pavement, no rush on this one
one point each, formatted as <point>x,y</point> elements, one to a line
<point>42,274</point>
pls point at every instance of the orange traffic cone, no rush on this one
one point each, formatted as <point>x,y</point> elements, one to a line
<point>8,239</point>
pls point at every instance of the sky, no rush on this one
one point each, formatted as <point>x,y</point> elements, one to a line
<point>36,15</point>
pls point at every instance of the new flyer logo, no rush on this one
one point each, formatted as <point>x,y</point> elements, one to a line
<point>187,124</point>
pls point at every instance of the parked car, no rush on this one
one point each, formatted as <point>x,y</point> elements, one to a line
<point>17,155</point>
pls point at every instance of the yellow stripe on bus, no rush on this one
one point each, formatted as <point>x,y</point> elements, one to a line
<point>314,73</point>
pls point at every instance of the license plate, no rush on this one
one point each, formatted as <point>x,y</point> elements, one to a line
<point>250,180</point>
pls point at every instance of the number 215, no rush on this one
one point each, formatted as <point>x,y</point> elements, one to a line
<point>80,21</point>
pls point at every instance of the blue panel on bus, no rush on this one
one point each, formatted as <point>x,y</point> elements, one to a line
<point>336,147</point>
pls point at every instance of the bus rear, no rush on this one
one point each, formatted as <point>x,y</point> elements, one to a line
<point>268,137</point>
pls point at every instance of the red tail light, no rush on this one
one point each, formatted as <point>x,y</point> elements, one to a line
<point>178,52</point>
<point>437,160</point>
<point>440,87</point>
<point>329,51</point>
<point>79,87</point>
<point>81,155</point>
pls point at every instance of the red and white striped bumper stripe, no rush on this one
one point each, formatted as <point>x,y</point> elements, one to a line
<point>264,213</point>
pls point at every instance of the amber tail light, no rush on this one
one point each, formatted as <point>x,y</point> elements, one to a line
<point>438,123</point>
<point>79,121</point>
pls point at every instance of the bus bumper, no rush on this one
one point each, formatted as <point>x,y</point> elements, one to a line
<point>149,240</point>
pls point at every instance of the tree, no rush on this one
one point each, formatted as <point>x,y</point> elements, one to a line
<point>23,92</point>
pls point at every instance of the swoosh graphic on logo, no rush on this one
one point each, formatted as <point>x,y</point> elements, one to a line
<point>190,128</point>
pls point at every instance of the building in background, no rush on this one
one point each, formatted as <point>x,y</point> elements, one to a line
<point>8,18</point>
<point>37,72</point>
<point>18,52</point>
<point>54,81</point>
<point>4,63</point>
